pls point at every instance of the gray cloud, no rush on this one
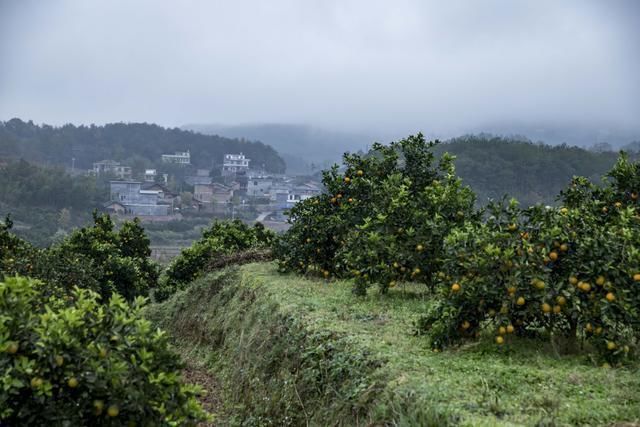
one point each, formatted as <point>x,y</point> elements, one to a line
<point>447,67</point>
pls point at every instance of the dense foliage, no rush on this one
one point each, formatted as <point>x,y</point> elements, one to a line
<point>139,145</point>
<point>531,172</point>
<point>222,238</point>
<point>571,272</point>
<point>46,201</point>
<point>384,218</point>
<point>75,361</point>
<point>99,258</point>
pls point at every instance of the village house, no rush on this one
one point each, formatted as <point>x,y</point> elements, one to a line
<point>213,193</point>
<point>111,167</point>
<point>129,198</point>
<point>201,177</point>
<point>234,164</point>
<point>150,175</point>
<point>180,158</point>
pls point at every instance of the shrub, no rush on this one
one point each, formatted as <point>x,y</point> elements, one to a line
<point>75,361</point>
<point>117,260</point>
<point>221,239</point>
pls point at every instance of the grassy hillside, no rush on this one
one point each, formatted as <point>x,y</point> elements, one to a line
<point>295,351</point>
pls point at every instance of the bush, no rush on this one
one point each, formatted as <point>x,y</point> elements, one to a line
<point>383,220</point>
<point>96,258</point>
<point>74,361</point>
<point>221,239</point>
<point>572,272</point>
<point>118,261</point>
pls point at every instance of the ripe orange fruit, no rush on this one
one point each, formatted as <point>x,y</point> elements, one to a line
<point>113,411</point>
<point>520,301</point>
<point>99,405</point>
<point>611,345</point>
<point>308,240</point>
<point>347,179</point>
<point>561,300</point>
<point>618,205</point>
<point>610,297</point>
<point>333,200</point>
<point>512,227</point>
<point>553,255</point>
<point>499,340</point>
<point>339,196</point>
<point>72,382</point>
<point>511,290</point>
<point>466,325</point>
<point>12,347</point>
<point>557,309</point>
<point>600,280</point>
<point>573,280</point>
<point>634,196</point>
<point>605,210</point>
<point>510,329</point>
<point>636,277</point>
<point>586,287</point>
<point>564,247</point>
<point>539,284</point>
<point>588,327</point>
<point>360,172</point>
<point>564,211</point>
<point>325,273</point>
<point>546,308</point>
<point>419,248</point>
<point>455,287</point>
<point>502,330</point>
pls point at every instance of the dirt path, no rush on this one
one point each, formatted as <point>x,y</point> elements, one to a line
<point>194,374</point>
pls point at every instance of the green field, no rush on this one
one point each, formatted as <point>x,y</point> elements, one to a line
<point>290,350</point>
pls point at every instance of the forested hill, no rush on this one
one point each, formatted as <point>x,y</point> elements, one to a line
<point>530,172</point>
<point>139,145</point>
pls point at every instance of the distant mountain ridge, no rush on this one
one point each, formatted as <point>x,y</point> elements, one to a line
<point>136,144</point>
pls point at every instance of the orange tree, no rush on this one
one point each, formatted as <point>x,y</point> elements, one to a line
<point>77,361</point>
<point>383,218</point>
<point>99,258</point>
<point>220,239</point>
<point>118,260</point>
<point>571,271</point>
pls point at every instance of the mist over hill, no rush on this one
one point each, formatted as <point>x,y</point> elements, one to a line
<point>304,148</point>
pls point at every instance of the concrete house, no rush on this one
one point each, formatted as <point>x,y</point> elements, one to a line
<point>235,164</point>
<point>213,193</point>
<point>180,158</point>
<point>104,167</point>
<point>135,201</point>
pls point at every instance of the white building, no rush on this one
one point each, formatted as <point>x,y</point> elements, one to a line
<point>150,175</point>
<point>181,158</point>
<point>234,163</point>
<point>111,167</point>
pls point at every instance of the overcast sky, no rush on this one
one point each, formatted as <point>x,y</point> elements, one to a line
<point>390,65</point>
